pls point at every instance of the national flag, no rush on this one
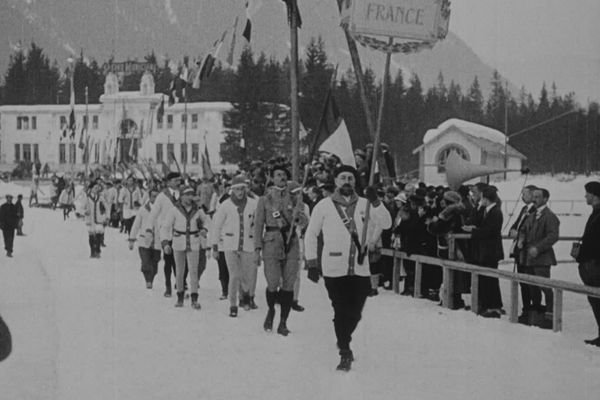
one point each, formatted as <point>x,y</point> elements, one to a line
<point>208,63</point>
<point>334,133</point>
<point>207,172</point>
<point>81,141</point>
<point>293,12</point>
<point>161,108</point>
<point>232,46</point>
<point>252,7</point>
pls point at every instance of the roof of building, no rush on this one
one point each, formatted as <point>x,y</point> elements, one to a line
<point>489,139</point>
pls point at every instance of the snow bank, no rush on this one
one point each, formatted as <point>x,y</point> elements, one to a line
<point>471,128</point>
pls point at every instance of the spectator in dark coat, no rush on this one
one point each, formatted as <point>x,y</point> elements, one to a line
<point>5,340</point>
<point>9,220</point>
<point>490,252</point>
<point>589,252</point>
<point>20,214</point>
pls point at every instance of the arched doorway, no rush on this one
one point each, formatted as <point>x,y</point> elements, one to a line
<point>128,141</point>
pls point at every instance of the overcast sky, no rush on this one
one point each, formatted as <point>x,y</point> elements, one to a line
<point>531,41</point>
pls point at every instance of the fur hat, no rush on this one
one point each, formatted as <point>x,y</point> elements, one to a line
<point>345,168</point>
<point>173,175</point>
<point>593,188</point>
<point>282,167</point>
<point>452,197</point>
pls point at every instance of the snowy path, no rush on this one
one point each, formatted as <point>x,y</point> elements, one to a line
<point>88,329</point>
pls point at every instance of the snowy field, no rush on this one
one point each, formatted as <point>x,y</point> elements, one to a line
<point>89,329</point>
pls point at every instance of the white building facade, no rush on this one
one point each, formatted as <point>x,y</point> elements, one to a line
<point>477,144</point>
<point>125,126</point>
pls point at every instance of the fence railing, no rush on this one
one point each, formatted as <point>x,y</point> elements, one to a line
<point>449,267</point>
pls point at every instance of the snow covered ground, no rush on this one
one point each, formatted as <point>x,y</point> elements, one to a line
<point>89,329</point>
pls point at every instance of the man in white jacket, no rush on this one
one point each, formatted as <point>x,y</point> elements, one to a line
<point>345,265</point>
<point>232,232</point>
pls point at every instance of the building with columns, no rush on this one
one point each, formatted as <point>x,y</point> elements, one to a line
<point>125,126</point>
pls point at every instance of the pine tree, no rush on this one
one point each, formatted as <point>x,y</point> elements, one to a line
<point>15,90</point>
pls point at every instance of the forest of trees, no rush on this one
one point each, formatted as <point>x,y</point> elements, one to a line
<point>569,143</point>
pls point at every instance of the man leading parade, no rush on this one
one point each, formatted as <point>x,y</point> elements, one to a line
<point>341,218</point>
<point>279,214</point>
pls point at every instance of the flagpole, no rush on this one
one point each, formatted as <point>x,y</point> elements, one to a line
<point>185,99</point>
<point>87,120</point>
<point>384,86</point>
<point>360,79</point>
<point>294,95</point>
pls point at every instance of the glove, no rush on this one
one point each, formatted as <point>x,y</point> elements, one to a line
<point>371,194</point>
<point>313,274</point>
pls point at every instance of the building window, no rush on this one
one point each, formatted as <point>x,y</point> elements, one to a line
<point>34,123</point>
<point>445,152</point>
<point>36,152</point>
<point>86,119</point>
<point>94,122</point>
<point>170,151</point>
<point>62,122</point>
<point>183,120</point>
<point>195,153</point>
<point>72,153</point>
<point>183,157</point>
<point>96,153</point>
<point>159,122</point>
<point>17,152</point>
<point>159,153</point>
<point>62,153</point>
<point>27,152</point>
<point>194,121</point>
<point>170,121</point>
<point>23,123</point>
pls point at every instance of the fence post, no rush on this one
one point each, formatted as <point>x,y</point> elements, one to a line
<point>475,292</point>
<point>396,273</point>
<point>448,275</point>
<point>558,310</point>
<point>418,277</point>
<point>514,301</point>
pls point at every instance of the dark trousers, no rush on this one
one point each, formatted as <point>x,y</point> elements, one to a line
<point>223,272</point>
<point>95,241</point>
<point>348,295</point>
<point>525,296</point>
<point>127,224</point>
<point>535,292</point>
<point>150,259</point>
<point>169,268</point>
<point>489,291</point>
<point>9,238</point>
<point>589,271</point>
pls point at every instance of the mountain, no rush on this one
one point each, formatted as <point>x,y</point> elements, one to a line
<point>130,29</point>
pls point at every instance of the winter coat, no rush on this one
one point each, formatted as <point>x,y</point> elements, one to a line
<point>590,242</point>
<point>337,241</point>
<point>163,203</point>
<point>96,213</point>
<point>187,229</point>
<point>540,233</point>
<point>9,217</point>
<point>131,201</point>
<point>145,239</point>
<point>489,238</point>
<point>225,232</point>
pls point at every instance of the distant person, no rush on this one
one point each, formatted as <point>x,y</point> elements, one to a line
<point>20,214</point>
<point>537,236</point>
<point>589,252</point>
<point>35,187</point>
<point>9,221</point>
<point>5,340</point>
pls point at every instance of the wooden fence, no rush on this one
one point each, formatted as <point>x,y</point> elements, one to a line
<point>450,266</point>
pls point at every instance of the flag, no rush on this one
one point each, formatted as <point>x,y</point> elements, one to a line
<point>252,7</point>
<point>81,142</point>
<point>164,168</point>
<point>208,63</point>
<point>161,108</point>
<point>293,12</point>
<point>333,129</point>
<point>71,127</point>
<point>207,172</point>
<point>232,46</point>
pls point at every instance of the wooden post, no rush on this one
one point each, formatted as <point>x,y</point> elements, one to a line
<point>475,293</point>
<point>396,273</point>
<point>294,99</point>
<point>558,310</point>
<point>448,283</point>
<point>514,301</point>
<point>418,278</point>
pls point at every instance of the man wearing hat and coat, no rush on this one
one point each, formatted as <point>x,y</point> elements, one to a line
<point>9,222</point>
<point>165,201</point>
<point>232,231</point>
<point>345,267</point>
<point>96,213</point>
<point>278,214</point>
<point>589,252</point>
